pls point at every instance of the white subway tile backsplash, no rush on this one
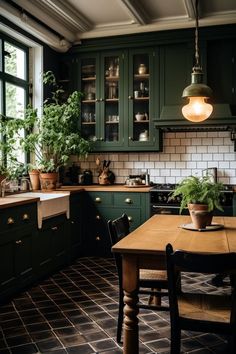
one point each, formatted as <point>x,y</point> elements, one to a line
<point>184,154</point>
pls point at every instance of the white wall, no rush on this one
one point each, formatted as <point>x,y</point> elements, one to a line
<point>183,154</point>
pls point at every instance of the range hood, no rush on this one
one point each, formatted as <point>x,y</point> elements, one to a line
<point>222,119</point>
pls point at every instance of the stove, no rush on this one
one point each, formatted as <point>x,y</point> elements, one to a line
<point>160,203</point>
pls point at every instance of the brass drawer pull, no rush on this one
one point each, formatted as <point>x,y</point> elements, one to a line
<point>10,221</point>
<point>72,222</point>
<point>54,228</point>
<point>98,217</point>
<point>130,218</point>
<point>98,238</point>
<point>18,242</point>
<point>98,200</point>
<point>128,201</point>
<point>25,217</point>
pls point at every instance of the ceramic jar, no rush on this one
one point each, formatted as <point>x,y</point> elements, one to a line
<point>142,69</point>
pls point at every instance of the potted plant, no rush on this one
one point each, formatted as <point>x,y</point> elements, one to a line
<point>201,196</point>
<point>54,136</point>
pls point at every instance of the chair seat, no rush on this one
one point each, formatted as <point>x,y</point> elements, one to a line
<point>145,274</point>
<point>205,307</point>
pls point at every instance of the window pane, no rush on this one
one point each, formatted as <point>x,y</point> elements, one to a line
<point>14,59</point>
<point>15,101</point>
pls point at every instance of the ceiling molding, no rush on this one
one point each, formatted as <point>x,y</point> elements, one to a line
<point>37,30</point>
<point>136,11</point>
<point>69,14</point>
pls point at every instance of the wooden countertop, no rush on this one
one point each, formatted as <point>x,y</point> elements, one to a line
<point>13,201</point>
<point>106,188</point>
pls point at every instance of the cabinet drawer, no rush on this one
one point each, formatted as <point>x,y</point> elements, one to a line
<point>127,199</point>
<point>102,198</point>
<point>11,218</point>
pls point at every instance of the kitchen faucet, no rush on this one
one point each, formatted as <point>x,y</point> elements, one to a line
<point>3,185</point>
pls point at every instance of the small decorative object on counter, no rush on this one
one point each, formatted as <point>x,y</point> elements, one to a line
<point>106,176</point>
<point>87,177</point>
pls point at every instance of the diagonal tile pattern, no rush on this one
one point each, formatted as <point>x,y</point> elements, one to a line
<point>75,312</point>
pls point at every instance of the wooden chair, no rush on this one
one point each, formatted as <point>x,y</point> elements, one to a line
<point>197,311</point>
<point>154,280</point>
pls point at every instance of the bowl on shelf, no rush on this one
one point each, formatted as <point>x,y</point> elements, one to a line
<point>139,117</point>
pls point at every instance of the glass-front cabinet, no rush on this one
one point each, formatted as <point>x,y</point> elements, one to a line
<point>101,106</point>
<point>118,101</point>
<point>141,98</point>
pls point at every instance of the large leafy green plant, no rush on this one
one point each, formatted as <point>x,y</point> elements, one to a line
<point>198,190</point>
<point>54,136</point>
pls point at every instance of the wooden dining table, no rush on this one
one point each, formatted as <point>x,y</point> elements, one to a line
<point>145,248</point>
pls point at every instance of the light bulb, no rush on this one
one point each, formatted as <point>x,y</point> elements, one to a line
<point>197,110</point>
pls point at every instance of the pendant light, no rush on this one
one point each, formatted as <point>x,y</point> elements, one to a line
<point>197,109</point>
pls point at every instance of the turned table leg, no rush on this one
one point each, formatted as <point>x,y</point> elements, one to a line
<point>130,286</point>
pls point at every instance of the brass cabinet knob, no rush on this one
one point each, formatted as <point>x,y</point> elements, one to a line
<point>130,138</point>
<point>25,217</point>
<point>98,238</point>
<point>130,218</point>
<point>128,201</point>
<point>98,200</point>
<point>130,97</point>
<point>18,242</point>
<point>72,222</point>
<point>97,100</point>
<point>54,228</point>
<point>10,221</point>
<point>98,217</point>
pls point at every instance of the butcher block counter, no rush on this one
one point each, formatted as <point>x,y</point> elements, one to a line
<point>107,188</point>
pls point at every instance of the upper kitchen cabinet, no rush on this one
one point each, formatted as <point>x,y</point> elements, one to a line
<point>118,99</point>
<point>101,82</point>
<point>221,72</point>
<point>140,99</point>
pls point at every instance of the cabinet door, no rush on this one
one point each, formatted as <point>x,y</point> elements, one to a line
<point>143,91</point>
<point>221,71</point>
<point>111,100</point>
<point>89,86</point>
<point>76,224</point>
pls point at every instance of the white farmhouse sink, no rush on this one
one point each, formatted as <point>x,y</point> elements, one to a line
<point>49,205</point>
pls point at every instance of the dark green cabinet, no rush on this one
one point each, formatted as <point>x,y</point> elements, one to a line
<point>221,72</point>
<point>52,244</point>
<point>118,106</point>
<point>102,206</point>
<point>17,237</point>
<point>76,225</point>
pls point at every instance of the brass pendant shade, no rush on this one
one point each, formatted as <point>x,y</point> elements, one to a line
<point>197,109</point>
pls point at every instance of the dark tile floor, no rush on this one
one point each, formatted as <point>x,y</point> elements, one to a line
<point>75,310</point>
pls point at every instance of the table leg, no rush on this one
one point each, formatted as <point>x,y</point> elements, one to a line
<point>130,286</point>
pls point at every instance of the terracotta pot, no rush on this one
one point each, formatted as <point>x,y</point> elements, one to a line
<point>200,215</point>
<point>48,181</point>
<point>34,180</point>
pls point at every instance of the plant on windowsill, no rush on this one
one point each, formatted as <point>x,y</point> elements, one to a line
<point>201,196</point>
<point>54,136</point>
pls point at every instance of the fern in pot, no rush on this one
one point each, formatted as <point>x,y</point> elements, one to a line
<point>54,136</point>
<point>201,196</point>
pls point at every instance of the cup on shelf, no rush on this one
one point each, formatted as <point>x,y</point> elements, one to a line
<point>136,94</point>
<point>139,116</point>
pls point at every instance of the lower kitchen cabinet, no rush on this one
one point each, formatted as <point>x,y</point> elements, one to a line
<point>52,245</point>
<point>17,236</point>
<point>102,206</point>
<point>76,225</point>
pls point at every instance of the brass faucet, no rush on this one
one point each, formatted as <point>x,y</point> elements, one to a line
<point>3,185</point>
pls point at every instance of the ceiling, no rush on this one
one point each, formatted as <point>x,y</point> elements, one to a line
<point>62,23</point>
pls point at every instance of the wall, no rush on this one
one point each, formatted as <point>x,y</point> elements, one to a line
<point>184,154</point>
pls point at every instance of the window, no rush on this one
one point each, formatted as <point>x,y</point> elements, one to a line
<point>14,88</point>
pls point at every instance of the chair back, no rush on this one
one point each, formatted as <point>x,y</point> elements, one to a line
<point>118,229</point>
<point>183,261</point>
